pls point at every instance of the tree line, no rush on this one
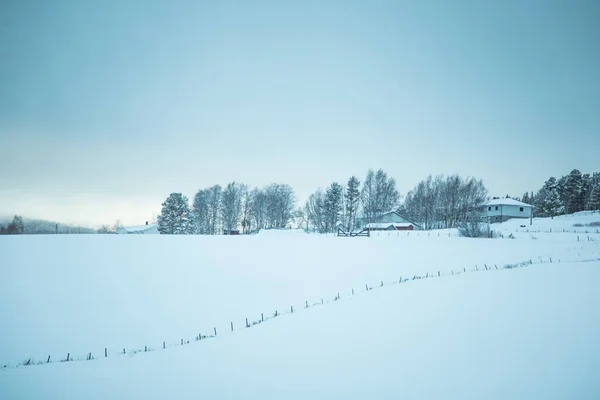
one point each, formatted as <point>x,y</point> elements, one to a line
<point>352,206</point>
<point>444,201</point>
<point>20,225</point>
<point>439,202</point>
<point>16,227</point>
<point>434,203</point>
<point>216,210</point>
<point>568,194</point>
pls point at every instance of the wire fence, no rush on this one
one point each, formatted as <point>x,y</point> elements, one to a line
<point>256,320</point>
<point>504,234</point>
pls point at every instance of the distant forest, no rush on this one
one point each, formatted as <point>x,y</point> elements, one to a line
<point>566,195</point>
<point>19,225</point>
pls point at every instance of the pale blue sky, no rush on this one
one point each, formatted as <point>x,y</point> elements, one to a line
<point>106,107</point>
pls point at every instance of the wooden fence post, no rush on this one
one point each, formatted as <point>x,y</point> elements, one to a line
<point>105,352</point>
<point>164,345</point>
<point>47,362</point>
<point>262,317</point>
<point>247,326</point>
<point>215,331</point>
<point>291,309</point>
<point>438,273</point>
<point>232,326</point>
<point>352,292</point>
<point>68,356</point>
<point>145,349</point>
<point>123,350</point>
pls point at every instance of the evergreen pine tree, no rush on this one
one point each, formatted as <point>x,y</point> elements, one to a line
<point>333,205</point>
<point>352,198</point>
<point>176,217</point>
<point>19,225</point>
<point>586,190</point>
<point>594,202</point>
<point>549,199</point>
<point>573,197</point>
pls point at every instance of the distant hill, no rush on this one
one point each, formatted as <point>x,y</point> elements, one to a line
<point>40,226</point>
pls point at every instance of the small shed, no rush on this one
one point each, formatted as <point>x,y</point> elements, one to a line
<point>390,226</point>
<point>231,231</point>
<point>399,221</point>
<point>404,226</point>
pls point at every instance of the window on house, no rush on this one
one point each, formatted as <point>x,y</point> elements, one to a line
<point>496,208</point>
<point>489,208</point>
<point>521,209</point>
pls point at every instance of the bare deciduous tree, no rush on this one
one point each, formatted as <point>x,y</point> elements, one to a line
<point>379,194</point>
<point>445,202</point>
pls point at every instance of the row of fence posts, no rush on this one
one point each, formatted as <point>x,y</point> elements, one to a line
<point>276,313</point>
<point>563,231</point>
<point>408,233</point>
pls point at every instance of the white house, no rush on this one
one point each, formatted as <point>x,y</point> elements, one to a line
<point>500,210</point>
<point>151,229</point>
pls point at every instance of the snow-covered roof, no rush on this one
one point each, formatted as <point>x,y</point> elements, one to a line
<point>507,202</point>
<point>404,224</point>
<point>384,225</point>
<point>138,228</point>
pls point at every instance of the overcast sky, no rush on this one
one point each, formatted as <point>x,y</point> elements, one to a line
<point>108,106</point>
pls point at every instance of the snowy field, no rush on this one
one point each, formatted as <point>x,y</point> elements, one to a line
<point>505,333</point>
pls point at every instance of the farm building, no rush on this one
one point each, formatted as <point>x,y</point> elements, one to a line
<point>391,217</point>
<point>390,226</point>
<point>501,210</point>
<point>151,229</point>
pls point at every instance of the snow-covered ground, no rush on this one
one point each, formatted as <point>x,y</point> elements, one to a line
<point>582,224</point>
<point>506,333</point>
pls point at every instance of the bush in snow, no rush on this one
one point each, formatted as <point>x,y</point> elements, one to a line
<point>473,229</point>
